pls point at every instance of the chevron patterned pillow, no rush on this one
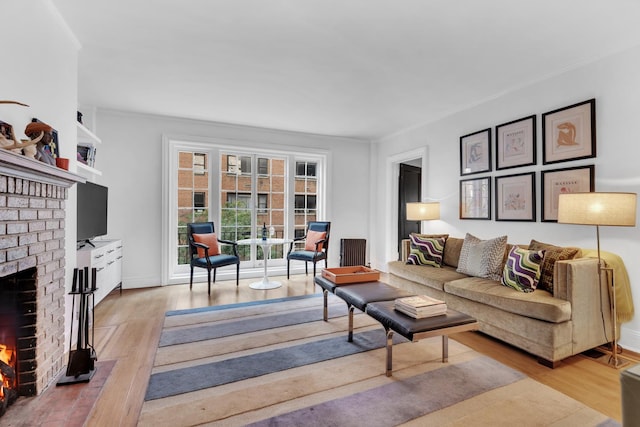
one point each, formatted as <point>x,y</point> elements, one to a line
<point>522,269</point>
<point>482,258</point>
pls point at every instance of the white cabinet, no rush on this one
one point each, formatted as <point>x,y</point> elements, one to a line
<point>87,144</point>
<point>106,258</point>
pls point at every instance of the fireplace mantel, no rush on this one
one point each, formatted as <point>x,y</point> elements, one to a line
<point>19,166</point>
<point>32,240</point>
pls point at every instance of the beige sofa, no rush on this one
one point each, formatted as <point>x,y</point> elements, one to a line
<point>552,326</point>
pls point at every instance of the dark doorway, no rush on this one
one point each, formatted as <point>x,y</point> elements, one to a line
<point>409,191</point>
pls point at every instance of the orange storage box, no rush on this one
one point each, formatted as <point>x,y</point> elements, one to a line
<point>355,274</point>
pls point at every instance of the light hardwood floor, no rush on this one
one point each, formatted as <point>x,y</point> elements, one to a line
<point>128,328</point>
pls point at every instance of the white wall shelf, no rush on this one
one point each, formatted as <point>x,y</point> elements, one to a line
<point>87,138</point>
<point>87,171</point>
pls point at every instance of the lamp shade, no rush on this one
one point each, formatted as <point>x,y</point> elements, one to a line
<point>618,209</point>
<point>421,211</point>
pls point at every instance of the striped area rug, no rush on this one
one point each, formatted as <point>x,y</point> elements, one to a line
<point>276,363</point>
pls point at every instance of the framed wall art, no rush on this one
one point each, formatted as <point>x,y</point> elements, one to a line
<point>475,198</point>
<point>53,147</point>
<point>475,152</point>
<point>6,130</point>
<point>516,143</point>
<point>568,180</point>
<point>569,133</point>
<point>516,197</point>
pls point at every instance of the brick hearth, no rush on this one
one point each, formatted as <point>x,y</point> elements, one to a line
<point>32,235</point>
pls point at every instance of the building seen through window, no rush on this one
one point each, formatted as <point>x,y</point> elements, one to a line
<point>254,189</point>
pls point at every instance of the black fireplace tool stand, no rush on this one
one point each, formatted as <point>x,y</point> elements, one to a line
<point>81,366</point>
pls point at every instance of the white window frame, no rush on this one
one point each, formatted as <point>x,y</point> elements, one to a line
<point>172,273</point>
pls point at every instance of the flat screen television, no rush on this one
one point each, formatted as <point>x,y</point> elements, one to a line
<point>92,211</point>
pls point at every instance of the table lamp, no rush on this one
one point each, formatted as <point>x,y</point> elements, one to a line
<point>423,211</point>
<point>615,209</point>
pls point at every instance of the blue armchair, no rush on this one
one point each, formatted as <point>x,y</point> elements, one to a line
<point>316,246</point>
<point>204,251</point>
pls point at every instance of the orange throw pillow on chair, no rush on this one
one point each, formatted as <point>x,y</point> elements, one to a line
<point>209,239</point>
<point>312,238</point>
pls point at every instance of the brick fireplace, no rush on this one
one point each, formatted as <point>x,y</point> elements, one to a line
<point>32,266</point>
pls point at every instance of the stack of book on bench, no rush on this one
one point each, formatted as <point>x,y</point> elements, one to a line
<point>420,306</point>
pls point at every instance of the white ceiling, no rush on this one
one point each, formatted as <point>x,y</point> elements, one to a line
<point>354,68</point>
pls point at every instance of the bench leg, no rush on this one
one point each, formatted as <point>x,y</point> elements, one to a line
<point>445,348</point>
<point>350,336</point>
<point>389,352</point>
<point>325,314</point>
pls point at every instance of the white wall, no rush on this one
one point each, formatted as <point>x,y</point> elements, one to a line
<point>40,69</point>
<point>130,158</point>
<point>615,84</point>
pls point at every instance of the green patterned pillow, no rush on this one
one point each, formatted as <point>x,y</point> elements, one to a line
<point>482,258</point>
<point>522,270</point>
<point>551,255</point>
<point>426,250</point>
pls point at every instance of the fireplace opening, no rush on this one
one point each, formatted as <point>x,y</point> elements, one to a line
<point>17,336</point>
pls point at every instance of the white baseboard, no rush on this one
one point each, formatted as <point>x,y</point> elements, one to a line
<point>630,339</point>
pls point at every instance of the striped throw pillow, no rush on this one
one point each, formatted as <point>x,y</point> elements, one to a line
<point>426,250</point>
<point>522,269</point>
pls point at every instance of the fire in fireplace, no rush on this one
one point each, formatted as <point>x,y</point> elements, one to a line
<point>8,380</point>
<point>17,331</point>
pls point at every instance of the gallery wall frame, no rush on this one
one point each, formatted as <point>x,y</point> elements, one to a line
<point>515,197</point>
<point>516,143</point>
<point>569,133</point>
<point>579,179</point>
<point>475,152</point>
<point>475,198</point>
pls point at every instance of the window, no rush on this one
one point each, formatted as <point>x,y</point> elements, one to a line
<point>307,169</point>
<point>306,193</point>
<point>192,190</point>
<point>198,163</point>
<point>262,203</point>
<point>305,203</point>
<point>232,164</point>
<point>239,164</point>
<point>239,199</point>
<point>250,187</point>
<point>198,199</point>
<point>263,166</point>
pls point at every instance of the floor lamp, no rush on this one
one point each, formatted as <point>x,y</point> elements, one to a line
<point>616,209</point>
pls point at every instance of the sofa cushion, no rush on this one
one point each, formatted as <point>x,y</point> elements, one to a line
<point>522,269</point>
<point>482,258</point>
<point>426,250</point>
<point>452,251</point>
<point>551,255</point>
<point>538,305</point>
<point>425,275</point>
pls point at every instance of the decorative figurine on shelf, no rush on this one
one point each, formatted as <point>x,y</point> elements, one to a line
<point>8,141</point>
<point>43,149</point>
<point>30,150</point>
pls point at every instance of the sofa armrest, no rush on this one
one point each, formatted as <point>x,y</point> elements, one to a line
<point>576,281</point>
<point>405,250</point>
